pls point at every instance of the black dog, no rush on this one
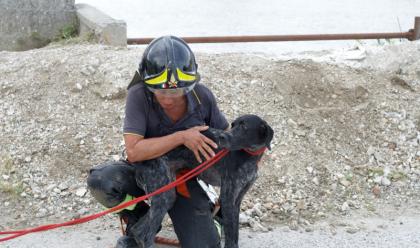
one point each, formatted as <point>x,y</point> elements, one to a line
<point>235,173</point>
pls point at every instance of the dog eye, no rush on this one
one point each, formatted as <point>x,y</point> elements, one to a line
<point>242,125</point>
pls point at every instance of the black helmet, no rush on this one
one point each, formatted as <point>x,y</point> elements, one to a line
<point>167,63</point>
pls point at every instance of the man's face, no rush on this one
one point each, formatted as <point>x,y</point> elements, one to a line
<point>169,102</point>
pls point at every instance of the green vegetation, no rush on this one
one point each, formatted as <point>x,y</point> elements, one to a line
<point>370,207</point>
<point>6,165</point>
<point>397,176</point>
<point>12,189</point>
<point>67,32</point>
<point>7,187</point>
<point>382,42</point>
<point>349,177</point>
<point>375,171</point>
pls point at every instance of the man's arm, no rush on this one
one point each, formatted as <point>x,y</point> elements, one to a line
<point>140,149</point>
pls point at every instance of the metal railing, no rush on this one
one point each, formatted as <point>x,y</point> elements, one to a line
<point>412,34</point>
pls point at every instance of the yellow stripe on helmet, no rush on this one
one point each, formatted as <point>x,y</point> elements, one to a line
<point>162,78</point>
<point>185,77</point>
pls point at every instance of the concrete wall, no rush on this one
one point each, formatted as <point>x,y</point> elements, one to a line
<point>104,29</point>
<point>27,24</point>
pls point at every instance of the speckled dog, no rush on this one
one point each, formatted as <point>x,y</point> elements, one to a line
<point>235,174</point>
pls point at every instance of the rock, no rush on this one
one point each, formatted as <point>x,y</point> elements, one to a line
<point>51,187</point>
<point>258,212</point>
<point>256,226</point>
<point>83,211</point>
<point>301,205</point>
<point>345,207</point>
<point>309,169</point>
<point>315,180</point>
<point>293,225</point>
<point>361,92</point>
<point>268,206</point>
<point>398,81</point>
<point>300,132</point>
<point>243,219</point>
<point>378,179</point>
<point>321,214</point>
<point>382,226</point>
<point>81,192</point>
<point>79,87</point>
<point>376,190</point>
<point>63,186</point>
<point>344,182</point>
<point>42,213</point>
<point>277,211</point>
<point>352,229</point>
<point>385,181</point>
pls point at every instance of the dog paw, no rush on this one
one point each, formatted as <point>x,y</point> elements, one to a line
<point>126,242</point>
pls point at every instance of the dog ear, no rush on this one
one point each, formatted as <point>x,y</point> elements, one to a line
<point>266,133</point>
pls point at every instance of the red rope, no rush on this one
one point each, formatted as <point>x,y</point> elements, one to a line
<point>194,172</point>
<point>256,152</point>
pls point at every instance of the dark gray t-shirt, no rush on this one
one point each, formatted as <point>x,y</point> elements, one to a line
<point>145,117</point>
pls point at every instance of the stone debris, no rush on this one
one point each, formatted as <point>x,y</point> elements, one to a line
<point>81,192</point>
<point>345,139</point>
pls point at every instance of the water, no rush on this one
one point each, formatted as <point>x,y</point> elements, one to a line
<point>262,17</point>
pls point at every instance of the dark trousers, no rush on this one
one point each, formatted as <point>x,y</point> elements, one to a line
<point>192,217</point>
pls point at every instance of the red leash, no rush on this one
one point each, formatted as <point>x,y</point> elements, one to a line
<point>194,172</point>
<point>255,152</point>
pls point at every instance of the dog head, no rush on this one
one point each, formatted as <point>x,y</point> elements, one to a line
<point>247,132</point>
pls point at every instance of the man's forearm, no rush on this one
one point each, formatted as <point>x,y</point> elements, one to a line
<point>152,148</point>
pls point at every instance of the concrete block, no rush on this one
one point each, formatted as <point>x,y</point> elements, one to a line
<point>28,24</point>
<point>105,29</point>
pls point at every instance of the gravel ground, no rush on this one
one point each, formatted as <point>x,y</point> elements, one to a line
<point>384,232</point>
<point>347,130</point>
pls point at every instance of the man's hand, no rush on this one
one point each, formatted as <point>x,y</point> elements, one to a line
<point>199,143</point>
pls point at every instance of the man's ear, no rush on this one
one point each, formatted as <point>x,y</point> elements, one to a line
<point>266,133</point>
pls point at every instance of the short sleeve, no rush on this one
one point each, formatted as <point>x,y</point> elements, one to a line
<point>135,121</point>
<point>216,118</point>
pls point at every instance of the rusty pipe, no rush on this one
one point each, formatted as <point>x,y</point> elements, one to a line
<point>416,31</point>
<point>270,38</point>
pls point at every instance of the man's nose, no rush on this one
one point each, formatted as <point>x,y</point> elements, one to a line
<point>167,99</point>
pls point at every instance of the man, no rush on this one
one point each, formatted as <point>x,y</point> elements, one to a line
<point>165,108</point>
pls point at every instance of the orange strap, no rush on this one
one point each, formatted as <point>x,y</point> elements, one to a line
<point>182,189</point>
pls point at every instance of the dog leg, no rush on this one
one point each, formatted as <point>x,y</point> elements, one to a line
<point>151,176</point>
<point>233,190</point>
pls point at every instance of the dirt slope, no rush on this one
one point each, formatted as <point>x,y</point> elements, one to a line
<point>346,139</point>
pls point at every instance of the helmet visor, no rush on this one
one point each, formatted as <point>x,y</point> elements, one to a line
<point>172,92</point>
